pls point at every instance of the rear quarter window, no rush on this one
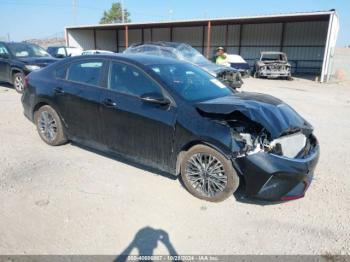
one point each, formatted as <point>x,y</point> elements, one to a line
<point>61,72</point>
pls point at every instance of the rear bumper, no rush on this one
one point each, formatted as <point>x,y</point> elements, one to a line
<point>28,105</point>
<point>276,178</point>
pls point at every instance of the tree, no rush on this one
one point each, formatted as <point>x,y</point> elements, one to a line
<point>115,15</point>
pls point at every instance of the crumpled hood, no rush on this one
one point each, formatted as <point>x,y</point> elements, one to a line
<point>273,114</point>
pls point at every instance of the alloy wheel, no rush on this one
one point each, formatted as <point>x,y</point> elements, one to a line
<point>47,126</point>
<point>206,174</point>
<point>19,83</point>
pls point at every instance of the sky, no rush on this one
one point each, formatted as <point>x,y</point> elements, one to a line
<point>25,19</point>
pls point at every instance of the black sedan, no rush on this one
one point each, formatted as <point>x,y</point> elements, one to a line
<point>176,117</point>
<point>19,59</point>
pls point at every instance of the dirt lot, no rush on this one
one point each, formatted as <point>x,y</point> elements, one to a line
<point>68,200</point>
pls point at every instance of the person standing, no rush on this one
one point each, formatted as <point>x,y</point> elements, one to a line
<point>221,57</point>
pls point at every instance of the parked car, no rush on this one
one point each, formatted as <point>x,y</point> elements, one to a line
<point>238,62</point>
<point>96,52</point>
<point>176,117</point>
<point>185,52</point>
<point>19,59</point>
<point>273,65</point>
<point>63,51</point>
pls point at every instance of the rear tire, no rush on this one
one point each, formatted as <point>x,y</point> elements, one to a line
<point>18,82</point>
<point>49,126</point>
<point>208,175</point>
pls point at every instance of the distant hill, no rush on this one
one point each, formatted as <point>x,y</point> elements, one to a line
<point>44,43</point>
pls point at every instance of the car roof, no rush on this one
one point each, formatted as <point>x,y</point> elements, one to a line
<point>23,43</point>
<point>271,52</point>
<point>98,50</point>
<point>6,42</point>
<point>56,46</point>
<point>160,44</point>
<point>133,58</point>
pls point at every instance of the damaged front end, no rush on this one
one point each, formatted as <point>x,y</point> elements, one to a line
<point>230,78</point>
<point>274,149</point>
<point>275,70</point>
<point>227,75</point>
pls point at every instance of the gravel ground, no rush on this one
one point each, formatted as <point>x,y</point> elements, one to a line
<point>68,200</point>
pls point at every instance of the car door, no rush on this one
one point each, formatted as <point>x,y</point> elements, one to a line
<point>77,95</point>
<point>140,129</point>
<point>4,64</point>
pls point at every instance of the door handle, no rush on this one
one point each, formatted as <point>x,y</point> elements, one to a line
<point>59,90</point>
<point>109,103</point>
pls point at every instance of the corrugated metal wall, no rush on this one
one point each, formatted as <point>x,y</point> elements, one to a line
<point>259,37</point>
<point>106,40</point>
<point>81,38</point>
<point>304,42</point>
<point>121,40</point>
<point>223,35</point>
<point>160,34</point>
<point>190,35</point>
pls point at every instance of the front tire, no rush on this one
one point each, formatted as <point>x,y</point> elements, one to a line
<point>49,126</point>
<point>18,82</point>
<point>208,175</point>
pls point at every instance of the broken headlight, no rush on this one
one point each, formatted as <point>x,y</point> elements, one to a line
<point>247,142</point>
<point>289,145</point>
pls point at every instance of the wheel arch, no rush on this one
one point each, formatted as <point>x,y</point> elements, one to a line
<point>43,102</point>
<point>38,106</point>
<point>14,71</point>
<point>193,143</point>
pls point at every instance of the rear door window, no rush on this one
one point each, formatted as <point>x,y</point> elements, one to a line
<point>86,72</point>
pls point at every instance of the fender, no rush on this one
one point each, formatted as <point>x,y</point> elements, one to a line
<point>12,71</point>
<point>44,101</point>
<point>191,144</point>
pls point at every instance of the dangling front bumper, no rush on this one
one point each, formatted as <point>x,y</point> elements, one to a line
<point>272,177</point>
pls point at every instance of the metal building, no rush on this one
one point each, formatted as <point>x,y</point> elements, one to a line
<point>308,38</point>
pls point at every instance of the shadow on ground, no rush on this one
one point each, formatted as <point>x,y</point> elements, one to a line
<point>239,195</point>
<point>126,161</point>
<point>6,85</point>
<point>146,241</point>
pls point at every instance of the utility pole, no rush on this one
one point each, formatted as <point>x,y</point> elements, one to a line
<point>8,37</point>
<point>74,11</point>
<point>123,16</point>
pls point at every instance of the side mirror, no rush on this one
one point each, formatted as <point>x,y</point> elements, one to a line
<point>59,56</point>
<point>155,98</point>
